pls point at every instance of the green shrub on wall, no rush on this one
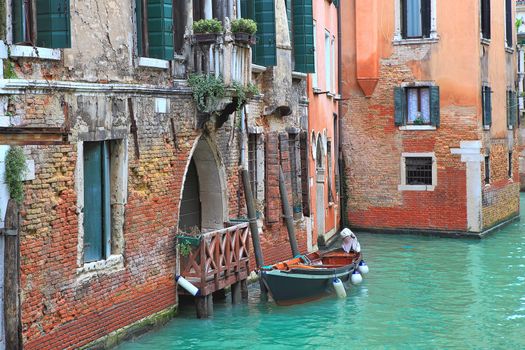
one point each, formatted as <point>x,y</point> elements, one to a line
<point>15,167</point>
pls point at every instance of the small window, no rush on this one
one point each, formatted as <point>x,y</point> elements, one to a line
<point>418,170</point>
<point>294,149</point>
<point>252,162</point>
<point>485,19</point>
<point>487,170</point>
<point>486,97</point>
<point>328,61</point>
<point>44,23</point>
<point>418,106</point>
<point>315,83</point>
<point>510,165</point>
<point>416,18</point>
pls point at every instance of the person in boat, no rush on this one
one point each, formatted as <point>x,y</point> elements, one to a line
<point>350,243</point>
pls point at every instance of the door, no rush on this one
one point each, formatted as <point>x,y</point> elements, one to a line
<point>190,207</point>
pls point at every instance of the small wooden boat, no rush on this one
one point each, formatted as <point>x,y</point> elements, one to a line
<point>308,277</point>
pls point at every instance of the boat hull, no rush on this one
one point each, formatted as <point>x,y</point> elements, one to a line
<point>302,285</point>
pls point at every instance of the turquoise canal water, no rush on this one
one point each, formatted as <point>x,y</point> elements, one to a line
<point>421,293</point>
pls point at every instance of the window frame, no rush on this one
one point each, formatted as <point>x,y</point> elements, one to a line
<point>510,165</point>
<point>485,20</point>
<point>401,106</point>
<point>486,106</point>
<point>260,166</point>
<point>328,61</point>
<point>432,37</point>
<point>419,104</point>
<point>404,186</point>
<point>487,169</point>
<point>315,77</point>
<point>508,24</point>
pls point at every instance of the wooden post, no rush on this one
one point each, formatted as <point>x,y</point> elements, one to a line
<point>12,319</point>
<point>201,306</point>
<point>209,304</point>
<point>219,294</point>
<point>236,293</point>
<point>244,289</point>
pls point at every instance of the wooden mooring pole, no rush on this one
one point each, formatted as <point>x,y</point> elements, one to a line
<point>12,317</point>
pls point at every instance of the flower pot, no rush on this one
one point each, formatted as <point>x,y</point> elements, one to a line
<point>205,38</point>
<point>244,38</point>
<point>194,241</point>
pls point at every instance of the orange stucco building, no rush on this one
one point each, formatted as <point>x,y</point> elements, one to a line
<point>323,97</point>
<point>429,115</point>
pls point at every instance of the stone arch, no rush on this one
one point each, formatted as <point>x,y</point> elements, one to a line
<point>210,189</point>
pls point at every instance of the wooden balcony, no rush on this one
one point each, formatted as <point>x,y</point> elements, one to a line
<point>221,260</point>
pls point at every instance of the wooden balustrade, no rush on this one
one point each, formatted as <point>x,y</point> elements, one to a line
<point>221,259</point>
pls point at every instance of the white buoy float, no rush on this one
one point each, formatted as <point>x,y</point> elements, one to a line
<point>339,288</point>
<point>363,267</point>
<point>190,288</point>
<point>356,277</point>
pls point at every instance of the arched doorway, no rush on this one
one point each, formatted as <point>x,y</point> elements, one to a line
<point>203,204</point>
<point>319,198</point>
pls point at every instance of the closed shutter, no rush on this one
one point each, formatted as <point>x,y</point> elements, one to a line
<point>485,18</point>
<point>508,22</point>
<point>160,29</point>
<point>336,3</point>
<point>139,18</point>
<point>93,199</point>
<point>425,18</point>
<point>303,36</point>
<point>305,186</point>
<point>399,106</point>
<point>403,18</point>
<point>514,109</point>
<point>53,24</point>
<point>106,201</point>
<point>265,51</point>
<point>487,106</point>
<point>18,25</point>
<point>509,107</point>
<point>435,106</point>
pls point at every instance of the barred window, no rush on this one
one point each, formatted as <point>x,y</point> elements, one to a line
<point>418,170</point>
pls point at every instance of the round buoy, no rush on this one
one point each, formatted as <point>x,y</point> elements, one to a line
<point>356,277</point>
<point>363,267</point>
<point>339,288</point>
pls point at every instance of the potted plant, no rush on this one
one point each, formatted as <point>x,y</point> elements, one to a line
<point>187,241</point>
<point>206,31</point>
<point>244,30</point>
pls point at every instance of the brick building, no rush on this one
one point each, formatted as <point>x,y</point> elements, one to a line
<point>520,26</point>
<point>121,159</point>
<point>429,115</point>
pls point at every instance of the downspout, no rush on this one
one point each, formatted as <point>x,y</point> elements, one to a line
<point>340,168</point>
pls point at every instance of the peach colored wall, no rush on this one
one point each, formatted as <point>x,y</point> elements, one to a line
<point>321,110</point>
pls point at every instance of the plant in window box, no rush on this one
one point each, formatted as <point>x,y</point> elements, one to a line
<point>244,30</point>
<point>187,241</point>
<point>418,121</point>
<point>206,31</point>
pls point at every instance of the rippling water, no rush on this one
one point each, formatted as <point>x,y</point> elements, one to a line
<point>422,292</point>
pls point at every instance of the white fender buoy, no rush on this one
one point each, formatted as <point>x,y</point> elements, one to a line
<point>363,267</point>
<point>190,288</point>
<point>356,277</point>
<point>339,288</point>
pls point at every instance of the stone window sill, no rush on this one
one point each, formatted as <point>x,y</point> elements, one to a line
<point>153,63</point>
<point>486,127</point>
<point>485,41</point>
<point>34,52</point>
<point>111,264</point>
<point>418,127</point>
<point>416,187</point>
<point>299,75</point>
<point>258,69</point>
<point>418,41</point>
<point>509,49</point>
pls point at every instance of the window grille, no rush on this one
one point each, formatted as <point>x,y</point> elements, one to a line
<point>418,170</point>
<point>252,162</point>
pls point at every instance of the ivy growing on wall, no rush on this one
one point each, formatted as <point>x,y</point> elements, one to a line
<point>15,167</point>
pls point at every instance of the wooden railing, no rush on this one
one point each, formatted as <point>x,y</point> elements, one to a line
<point>221,259</point>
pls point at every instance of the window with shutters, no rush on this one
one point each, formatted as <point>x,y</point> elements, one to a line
<point>512,109</point>
<point>418,172</point>
<point>327,61</point>
<point>417,106</point>
<point>155,30</point>
<point>508,23</point>
<point>485,19</point>
<point>102,196</point>
<point>256,167</point>
<point>42,23</point>
<point>294,149</point>
<point>315,79</point>
<point>486,102</point>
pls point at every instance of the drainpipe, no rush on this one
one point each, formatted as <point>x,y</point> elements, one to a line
<point>340,168</point>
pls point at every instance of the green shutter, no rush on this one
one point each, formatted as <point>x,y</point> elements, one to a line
<point>18,26</point>
<point>53,24</point>
<point>106,206</point>
<point>514,108</point>
<point>265,51</point>
<point>336,3</point>
<point>138,16</point>
<point>399,106</point>
<point>509,122</point>
<point>303,36</point>
<point>160,29</point>
<point>434,106</point>
<point>93,199</point>
<point>488,109</point>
